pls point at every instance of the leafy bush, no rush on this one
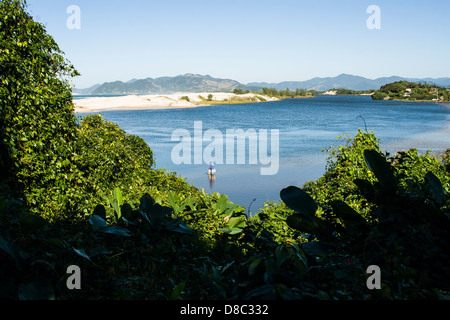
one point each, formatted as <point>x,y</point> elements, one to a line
<point>405,230</point>
<point>345,164</point>
<point>38,126</point>
<point>379,95</point>
<point>419,91</point>
<point>109,157</point>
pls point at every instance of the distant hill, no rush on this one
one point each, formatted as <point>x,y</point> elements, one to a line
<point>166,85</point>
<point>201,83</point>
<point>85,90</point>
<point>346,81</point>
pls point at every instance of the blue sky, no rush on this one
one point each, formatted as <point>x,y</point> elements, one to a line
<point>249,40</point>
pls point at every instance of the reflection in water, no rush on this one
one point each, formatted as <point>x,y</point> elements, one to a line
<point>212,179</point>
<point>211,174</point>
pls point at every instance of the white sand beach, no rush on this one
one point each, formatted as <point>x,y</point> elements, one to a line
<point>172,101</point>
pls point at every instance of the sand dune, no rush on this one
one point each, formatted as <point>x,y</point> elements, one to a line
<point>157,101</point>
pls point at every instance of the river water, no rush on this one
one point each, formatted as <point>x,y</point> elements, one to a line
<point>304,127</point>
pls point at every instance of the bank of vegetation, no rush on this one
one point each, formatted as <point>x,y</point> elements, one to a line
<point>239,98</point>
<point>411,91</point>
<point>85,193</point>
<point>349,92</point>
<point>288,93</point>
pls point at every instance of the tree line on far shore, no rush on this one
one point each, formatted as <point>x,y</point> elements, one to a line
<point>412,91</point>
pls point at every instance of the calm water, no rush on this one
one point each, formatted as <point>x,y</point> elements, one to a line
<point>306,127</point>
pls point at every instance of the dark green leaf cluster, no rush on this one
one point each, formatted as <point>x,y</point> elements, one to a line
<point>287,93</point>
<point>399,221</point>
<point>110,158</point>
<point>343,91</point>
<point>37,124</point>
<point>59,166</point>
<point>240,91</point>
<point>411,91</point>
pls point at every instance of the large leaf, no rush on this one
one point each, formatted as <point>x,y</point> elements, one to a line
<point>118,231</point>
<point>235,208</point>
<point>100,225</point>
<point>177,225</point>
<point>100,211</point>
<point>180,228</point>
<point>380,168</point>
<point>178,290</point>
<point>238,222</point>
<point>38,290</point>
<point>146,203</point>
<point>158,212</point>
<point>117,202</point>
<point>315,248</point>
<point>305,223</point>
<point>222,203</point>
<point>435,186</point>
<point>154,211</point>
<point>235,225</point>
<point>350,217</point>
<point>82,253</point>
<point>127,212</point>
<point>366,189</point>
<point>267,292</point>
<point>231,231</point>
<point>31,222</point>
<point>98,222</point>
<point>299,201</point>
<point>253,265</point>
<point>6,247</point>
<point>174,200</point>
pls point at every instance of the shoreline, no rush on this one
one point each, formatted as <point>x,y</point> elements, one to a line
<point>172,101</point>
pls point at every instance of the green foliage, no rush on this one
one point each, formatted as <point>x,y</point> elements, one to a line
<point>287,93</point>
<point>381,169</point>
<point>37,126</point>
<point>404,232</point>
<point>99,225</point>
<point>405,90</point>
<point>345,164</point>
<point>272,219</point>
<point>305,208</point>
<point>240,91</point>
<point>378,95</point>
<point>110,158</point>
<point>342,91</point>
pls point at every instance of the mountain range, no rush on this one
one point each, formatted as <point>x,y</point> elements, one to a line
<point>204,83</point>
<point>347,81</point>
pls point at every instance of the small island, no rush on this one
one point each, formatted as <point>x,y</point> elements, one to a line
<point>411,91</point>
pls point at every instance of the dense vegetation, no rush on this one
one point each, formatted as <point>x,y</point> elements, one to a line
<point>288,93</point>
<point>342,91</point>
<point>405,90</point>
<point>85,193</point>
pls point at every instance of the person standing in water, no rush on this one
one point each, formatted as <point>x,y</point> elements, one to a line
<point>211,174</point>
<point>211,169</point>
